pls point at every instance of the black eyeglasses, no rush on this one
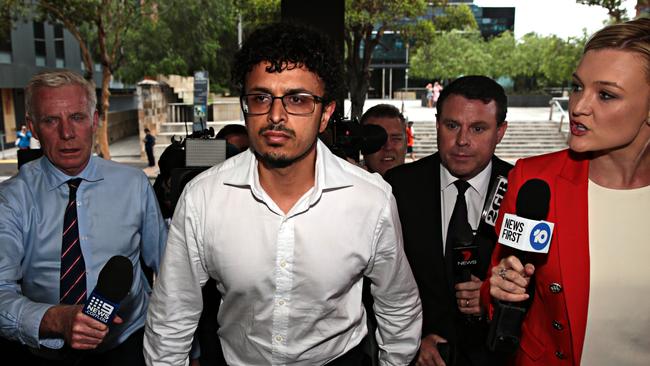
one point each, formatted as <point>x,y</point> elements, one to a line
<point>295,103</point>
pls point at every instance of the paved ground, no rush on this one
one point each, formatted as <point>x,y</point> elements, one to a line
<point>127,150</point>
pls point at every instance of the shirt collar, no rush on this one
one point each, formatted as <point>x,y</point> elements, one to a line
<point>479,182</point>
<point>55,177</point>
<point>330,173</point>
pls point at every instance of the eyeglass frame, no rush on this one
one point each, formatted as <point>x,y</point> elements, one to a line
<point>316,99</point>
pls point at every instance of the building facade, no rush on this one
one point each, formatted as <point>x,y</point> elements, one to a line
<point>390,59</point>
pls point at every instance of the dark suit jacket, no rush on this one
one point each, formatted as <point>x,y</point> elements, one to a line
<point>416,187</point>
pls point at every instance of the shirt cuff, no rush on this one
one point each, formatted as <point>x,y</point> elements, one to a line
<point>30,323</point>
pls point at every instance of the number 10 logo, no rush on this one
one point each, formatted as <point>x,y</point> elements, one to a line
<point>540,236</point>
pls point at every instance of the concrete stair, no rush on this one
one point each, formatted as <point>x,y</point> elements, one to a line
<point>183,86</point>
<point>522,139</point>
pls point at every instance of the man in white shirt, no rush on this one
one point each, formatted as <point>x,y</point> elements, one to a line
<point>287,230</point>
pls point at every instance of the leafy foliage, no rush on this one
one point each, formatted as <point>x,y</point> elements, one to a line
<point>185,37</point>
<point>450,55</point>
<point>98,26</point>
<point>365,24</point>
<point>532,62</point>
<point>455,17</point>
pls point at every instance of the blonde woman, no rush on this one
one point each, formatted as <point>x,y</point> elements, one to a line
<point>591,292</point>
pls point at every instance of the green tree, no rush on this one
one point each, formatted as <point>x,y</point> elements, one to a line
<point>450,55</point>
<point>560,59</point>
<point>615,9</point>
<point>455,17</point>
<point>501,49</point>
<point>98,26</point>
<point>200,35</point>
<point>532,62</point>
<point>365,24</point>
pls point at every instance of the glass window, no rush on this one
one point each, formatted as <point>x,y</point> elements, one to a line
<point>5,43</point>
<point>59,46</point>
<point>39,43</point>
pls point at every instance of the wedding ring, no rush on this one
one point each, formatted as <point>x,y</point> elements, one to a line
<point>502,273</point>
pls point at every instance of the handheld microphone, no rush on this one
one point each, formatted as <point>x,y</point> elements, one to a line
<point>466,254</point>
<point>491,209</point>
<point>525,232</point>
<point>113,284</point>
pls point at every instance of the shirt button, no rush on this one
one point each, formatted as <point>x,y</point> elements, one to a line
<point>283,263</point>
<point>557,325</point>
<point>281,302</point>
<point>560,355</point>
<point>278,338</point>
<point>555,288</point>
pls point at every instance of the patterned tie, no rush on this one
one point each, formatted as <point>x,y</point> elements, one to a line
<point>459,232</point>
<point>73,267</point>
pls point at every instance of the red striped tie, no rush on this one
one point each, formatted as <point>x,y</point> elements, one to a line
<point>73,267</point>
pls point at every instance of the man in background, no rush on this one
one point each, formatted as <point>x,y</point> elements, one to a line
<point>440,200</point>
<point>235,135</point>
<point>410,140</point>
<point>393,152</point>
<point>149,143</point>
<point>61,219</point>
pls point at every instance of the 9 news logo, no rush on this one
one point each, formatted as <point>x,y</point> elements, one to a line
<point>540,236</point>
<point>99,309</point>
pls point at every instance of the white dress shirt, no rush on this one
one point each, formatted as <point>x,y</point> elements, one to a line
<point>291,283</point>
<point>475,197</point>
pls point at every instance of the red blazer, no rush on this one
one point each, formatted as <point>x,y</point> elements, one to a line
<point>554,328</point>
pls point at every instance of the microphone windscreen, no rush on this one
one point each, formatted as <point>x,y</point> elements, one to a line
<point>373,137</point>
<point>115,279</point>
<point>533,200</point>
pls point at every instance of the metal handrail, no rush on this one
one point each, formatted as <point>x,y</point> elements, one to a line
<point>556,102</point>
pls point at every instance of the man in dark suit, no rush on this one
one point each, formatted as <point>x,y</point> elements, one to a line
<point>470,122</point>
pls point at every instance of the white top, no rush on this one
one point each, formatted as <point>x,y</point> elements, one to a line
<point>475,197</point>
<point>291,284</point>
<point>618,319</point>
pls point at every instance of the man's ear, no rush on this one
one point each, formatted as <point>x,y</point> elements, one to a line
<point>328,110</point>
<point>501,131</point>
<point>32,126</point>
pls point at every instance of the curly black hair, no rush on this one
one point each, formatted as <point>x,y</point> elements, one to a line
<point>286,46</point>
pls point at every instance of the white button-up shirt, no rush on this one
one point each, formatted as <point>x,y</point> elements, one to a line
<point>291,283</point>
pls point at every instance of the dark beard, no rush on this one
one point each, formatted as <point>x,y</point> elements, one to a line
<point>278,162</point>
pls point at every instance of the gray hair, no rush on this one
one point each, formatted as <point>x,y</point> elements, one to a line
<point>57,79</point>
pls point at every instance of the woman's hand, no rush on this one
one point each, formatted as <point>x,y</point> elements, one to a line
<point>509,280</point>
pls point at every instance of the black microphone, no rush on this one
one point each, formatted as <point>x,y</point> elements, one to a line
<point>113,284</point>
<point>466,252</point>
<point>373,137</point>
<point>492,206</point>
<point>525,232</point>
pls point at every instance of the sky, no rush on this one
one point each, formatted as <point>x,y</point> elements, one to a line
<point>564,18</point>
